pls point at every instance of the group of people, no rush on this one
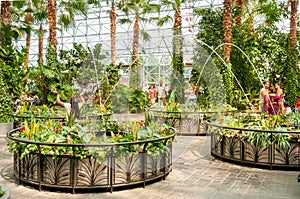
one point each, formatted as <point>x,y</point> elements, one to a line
<point>158,94</point>
<point>161,95</point>
<point>32,99</point>
<point>271,100</point>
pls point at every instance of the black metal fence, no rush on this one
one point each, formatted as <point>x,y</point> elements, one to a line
<point>234,148</point>
<point>116,168</point>
<point>186,122</point>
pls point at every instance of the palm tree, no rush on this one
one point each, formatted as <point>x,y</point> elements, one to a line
<point>5,12</point>
<point>29,19</point>
<point>177,60</point>
<point>39,15</point>
<point>51,11</point>
<point>293,23</point>
<point>227,27</point>
<point>240,7</point>
<point>137,8</point>
<point>113,18</point>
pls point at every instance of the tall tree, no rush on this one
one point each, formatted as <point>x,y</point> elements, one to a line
<point>227,25</point>
<point>240,4</point>
<point>293,23</point>
<point>5,12</point>
<point>137,8</point>
<point>291,82</point>
<point>113,18</point>
<point>51,10</point>
<point>29,19</point>
<point>39,16</point>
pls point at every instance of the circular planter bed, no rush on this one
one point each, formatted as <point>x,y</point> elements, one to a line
<point>186,122</point>
<point>103,166</point>
<point>271,149</point>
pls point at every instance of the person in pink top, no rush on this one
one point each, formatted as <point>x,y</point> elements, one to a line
<point>152,93</point>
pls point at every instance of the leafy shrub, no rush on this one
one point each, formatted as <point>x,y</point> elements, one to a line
<point>5,104</point>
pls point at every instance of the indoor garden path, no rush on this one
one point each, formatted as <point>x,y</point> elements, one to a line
<point>195,175</point>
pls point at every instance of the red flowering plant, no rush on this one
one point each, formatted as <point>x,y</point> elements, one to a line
<point>48,131</point>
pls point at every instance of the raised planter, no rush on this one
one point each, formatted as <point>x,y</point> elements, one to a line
<point>184,122</point>
<point>6,192</point>
<point>236,150</point>
<point>116,167</point>
<point>18,119</point>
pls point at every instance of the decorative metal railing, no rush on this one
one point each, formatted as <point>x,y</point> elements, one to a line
<point>234,148</point>
<point>118,167</point>
<point>18,119</point>
<point>186,122</point>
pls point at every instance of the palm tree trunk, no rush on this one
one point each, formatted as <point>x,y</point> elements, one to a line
<point>227,24</point>
<point>293,24</point>
<point>113,17</point>
<point>240,6</point>
<point>41,37</point>
<point>135,68</point>
<point>29,19</point>
<point>5,12</point>
<point>51,9</point>
<point>136,31</point>
<point>177,80</point>
<point>177,32</point>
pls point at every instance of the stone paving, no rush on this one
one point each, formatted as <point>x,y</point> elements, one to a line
<point>195,175</point>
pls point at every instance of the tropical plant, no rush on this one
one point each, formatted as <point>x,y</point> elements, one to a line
<point>291,81</point>
<point>58,75</point>
<point>51,11</point>
<point>5,13</point>
<point>79,133</point>
<point>5,102</point>
<point>120,99</point>
<point>113,26</point>
<point>11,61</point>
<point>138,101</point>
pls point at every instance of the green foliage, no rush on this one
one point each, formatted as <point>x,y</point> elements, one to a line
<point>258,53</point>
<point>50,131</point>
<point>1,192</point>
<point>135,75</point>
<point>5,102</point>
<point>290,78</point>
<point>261,139</point>
<point>58,74</point>
<point>177,78</point>
<point>11,61</point>
<point>139,101</point>
<point>120,99</point>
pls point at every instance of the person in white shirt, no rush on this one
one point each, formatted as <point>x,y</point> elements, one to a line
<point>74,106</point>
<point>162,93</point>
